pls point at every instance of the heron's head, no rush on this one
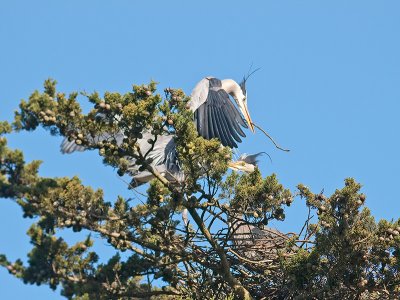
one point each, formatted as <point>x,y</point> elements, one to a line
<point>242,86</point>
<point>241,166</point>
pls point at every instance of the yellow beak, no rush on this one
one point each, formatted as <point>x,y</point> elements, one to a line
<point>241,166</point>
<point>247,117</point>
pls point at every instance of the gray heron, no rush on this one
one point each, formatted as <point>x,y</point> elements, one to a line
<point>215,116</point>
<point>214,113</point>
<point>164,156</point>
<point>254,243</point>
<point>246,162</point>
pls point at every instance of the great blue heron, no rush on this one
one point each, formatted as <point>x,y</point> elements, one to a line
<point>215,116</point>
<point>246,162</point>
<point>163,156</point>
<point>253,243</point>
<point>214,113</point>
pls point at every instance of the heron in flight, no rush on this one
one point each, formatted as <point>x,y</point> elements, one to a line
<point>215,116</point>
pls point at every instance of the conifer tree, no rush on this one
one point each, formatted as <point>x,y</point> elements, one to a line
<point>226,251</point>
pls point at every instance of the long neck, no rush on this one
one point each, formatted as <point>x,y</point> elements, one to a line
<point>232,88</point>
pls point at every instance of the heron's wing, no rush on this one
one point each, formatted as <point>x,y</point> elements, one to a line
<point>199,94</point>
<point>145,176</point>
<point>68,147</point>
<point>162,154</point>
<point>171,158</point>
<point>218,118</point>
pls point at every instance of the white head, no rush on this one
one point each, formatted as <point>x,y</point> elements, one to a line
<point>239,94</point>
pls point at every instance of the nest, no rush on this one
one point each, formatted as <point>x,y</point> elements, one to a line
<point>254,245</point>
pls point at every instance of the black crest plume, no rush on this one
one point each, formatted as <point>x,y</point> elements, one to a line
<point>243,83</point>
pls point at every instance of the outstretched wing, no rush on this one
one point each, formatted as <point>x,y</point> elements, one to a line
<point>218,118</point>
<point>68,147</point>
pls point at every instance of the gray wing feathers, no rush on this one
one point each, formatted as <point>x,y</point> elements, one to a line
<point>157,155</point>
<point>164,160</point>
<point>227,118</point>
<point>219,118</point>
<point>214,120</point>
<point>70,146</point>
<point>164,156</point>
<point>234,112</point>
<point>226,132</point>
<point>200,124</point>
<point>251,158</point>
<point>205,123</point>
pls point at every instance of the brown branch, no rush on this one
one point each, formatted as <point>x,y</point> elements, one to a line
<point>235,284</point>
<point>272,140</point>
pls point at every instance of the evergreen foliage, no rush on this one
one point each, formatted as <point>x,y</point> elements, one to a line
<point>342,253</point>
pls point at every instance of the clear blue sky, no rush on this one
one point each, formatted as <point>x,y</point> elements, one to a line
<point>328,87</point>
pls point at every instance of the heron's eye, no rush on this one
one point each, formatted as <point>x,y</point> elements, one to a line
<point>244,99</point>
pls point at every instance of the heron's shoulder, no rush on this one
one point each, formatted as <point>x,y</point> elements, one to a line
<point>201,86</point>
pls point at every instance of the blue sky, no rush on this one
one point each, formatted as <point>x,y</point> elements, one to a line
<point>328,87</point>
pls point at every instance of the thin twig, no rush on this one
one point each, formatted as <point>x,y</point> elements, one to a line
<point>132,188</point>
<point>272,140</point>
<point>305,226</point>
